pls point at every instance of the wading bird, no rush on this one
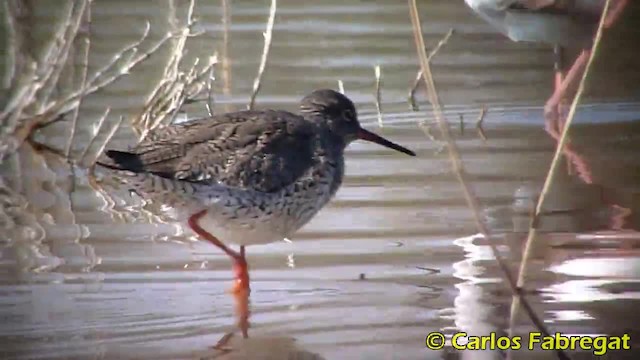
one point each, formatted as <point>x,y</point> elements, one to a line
<point>247,177</point>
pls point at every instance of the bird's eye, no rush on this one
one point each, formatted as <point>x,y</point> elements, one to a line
<point>348,115</point>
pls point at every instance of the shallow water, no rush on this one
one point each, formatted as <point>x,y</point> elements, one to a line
<point>396,255</point>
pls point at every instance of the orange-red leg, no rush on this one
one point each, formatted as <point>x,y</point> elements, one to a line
<point>241,270</point>
<point>240,267</point>
<point>242,312</point>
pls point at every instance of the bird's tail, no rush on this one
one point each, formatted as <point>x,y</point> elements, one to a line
<point>121,160</point>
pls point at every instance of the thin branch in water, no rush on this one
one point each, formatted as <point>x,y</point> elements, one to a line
<point>96,84</point>
<point>182,99</point>
<point>427,131</point>
<point>56,108</point>
<point>210,79</point>
<point>97,131</point>
<point>226,62</point>
<point>41,125</point>
<point>84,44</point>
<point>21,95</point>
<point>131,48</point>
<point>11,47</point>
<point>177,87</point>
<point>458,167</point>
<point>378,96</point>
<point>33,74</point>
<point>416,82</point>
<point>163,106</point>
<point>461,119</point>
<point>341,87</point>
<point>58,58</point>
<point>112,131</point>
<point>531,237</point>
<point>160,98</point>
<point>480,121</point>
<point>257,83</point>
<point>40,147</point>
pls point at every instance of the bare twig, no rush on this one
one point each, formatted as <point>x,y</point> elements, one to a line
<point>55,108</point>
<point>226,62</point>
<point>22,93</point>
<point>377,72</point>
<point>41,147</point>
<point>416,82</point>
<point>160,99</point>
<point>457,165</point>
<point>177,86</point>
<point>163,105</point>
<point>531,237</point>
<point>100,149</point>
<point>479,122</point>
<point>11,50</point>
<point>130,50</point>
<point>95,85</point>
<point>210,79</point>
<point>48,62</point>
<point>84,43</point>
<point>60,53</point>
<point>98,129</point>
<point>33,79</point>
<point>427,131</point>
<point>257,83</point>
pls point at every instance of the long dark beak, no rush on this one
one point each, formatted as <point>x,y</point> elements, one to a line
<point>369,136</point>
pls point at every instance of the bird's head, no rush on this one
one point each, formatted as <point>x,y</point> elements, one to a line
<point>339,114</point>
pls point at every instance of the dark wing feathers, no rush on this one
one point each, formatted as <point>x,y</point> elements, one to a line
<point>262,150</point>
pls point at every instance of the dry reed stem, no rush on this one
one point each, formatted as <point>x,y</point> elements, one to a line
<point>96,83</point>
<point>168,97</point>
<point>531,237</point>
<point>49,63</point>
<point>427,131</point>
<point>10,51</point>
<point>209,103</point>
<point>20,78</point>
<point>32,79</point>
<point>479,122</point>
<point>458,168</point>
<point>416,82</point>
<point>195,82</point>
<point>98,129</point>
<point>14,62</point>
<point>226,63</point>
<point>61,55</point>
<point>378,75</point>
<point>112,131</point>
<point>98,80</point>
<point>176,87</point>
<point>84,46</point>
<point>257,83</point>
<point>341,87</point>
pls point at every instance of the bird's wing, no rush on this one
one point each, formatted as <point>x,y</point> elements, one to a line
<point>261,150</point>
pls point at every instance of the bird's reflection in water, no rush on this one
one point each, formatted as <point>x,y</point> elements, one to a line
<point>232,346</point>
